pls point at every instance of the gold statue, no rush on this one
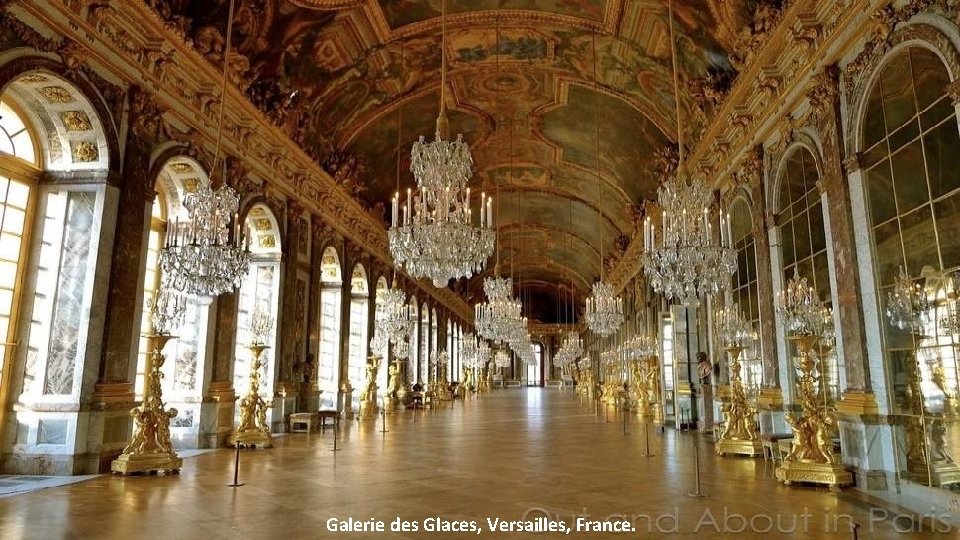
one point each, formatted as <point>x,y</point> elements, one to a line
<point>150,449</point>
<point>368,398</point>
<point>253,429</point>
<point>393,385</point>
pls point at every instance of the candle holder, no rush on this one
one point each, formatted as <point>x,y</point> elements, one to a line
<point>150,449</point>
<point>740,435</point>
<point>253,429</point>
<point>811,458</point>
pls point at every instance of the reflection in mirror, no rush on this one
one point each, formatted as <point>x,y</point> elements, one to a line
<point>913,195</point>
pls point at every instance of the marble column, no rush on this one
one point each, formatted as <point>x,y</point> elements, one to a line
<point>345,397</point>
<point>291,323</point>
<point>770,400</point>
<point>217,409</point>
<point>309,391</point>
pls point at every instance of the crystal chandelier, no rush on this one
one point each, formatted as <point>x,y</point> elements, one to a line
<point>437,238</point>
<point>501,313</point>
<point>571,348</point>
<point>604,310</point>
<point>204,256</point>
<point>687,260</point>
<point>395,319</point>
<point>907,305</point>
<point>732,329</point>
<point>801,312</point>
<point>501,359</point>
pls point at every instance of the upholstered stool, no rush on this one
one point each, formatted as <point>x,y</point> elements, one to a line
<point>301,422</point>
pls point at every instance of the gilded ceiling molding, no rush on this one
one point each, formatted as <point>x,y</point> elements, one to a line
<point>136,44</point>
<point>511,17</point>
<point>327,5</point>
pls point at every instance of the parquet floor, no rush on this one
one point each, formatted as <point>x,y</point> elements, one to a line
<point>512,455</point>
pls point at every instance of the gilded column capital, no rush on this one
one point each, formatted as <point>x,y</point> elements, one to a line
<point>74,54</point>
<point>771,219</point>
<point>237,177</point>
<point>824,89</point>
<point>953,90</point>
<point>295,208</point>
<point>852,163</point>
<point>146,117</point>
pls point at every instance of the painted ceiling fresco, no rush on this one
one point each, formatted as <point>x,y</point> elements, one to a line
<point>529,81</point>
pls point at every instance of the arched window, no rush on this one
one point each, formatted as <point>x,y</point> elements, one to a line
<point>745,290</point>
<point>359,310</point>
<point>413,362</point>
<point>803,241</point>
<point>18,175</point>
<point>534,369</point>
<point>385,362</point>
<point>910,165</point>
<point>424,344</point>
<point>435,339</point>
<point>51,238</point>
<point>451,353</point>
<point>331,285</point>
<point>259,293</point>
<point>187,356</point>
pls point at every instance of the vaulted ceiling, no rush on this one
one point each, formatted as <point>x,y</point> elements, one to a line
<point>356,82</point>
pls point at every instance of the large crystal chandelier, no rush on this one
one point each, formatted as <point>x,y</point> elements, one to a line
<point>496,318</point>
<point>205,256</point>
<point>604,310</point>
<point>687,260</point>
<point>907,305</point>
<point>437,238</point>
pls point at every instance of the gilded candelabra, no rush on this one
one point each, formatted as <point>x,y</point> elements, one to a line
<point>253,429</point>
<point>740,435</point>
<point>811,458</point>
<point>150,449</point>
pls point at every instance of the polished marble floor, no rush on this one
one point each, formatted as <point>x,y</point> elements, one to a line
<point>516,454</point>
